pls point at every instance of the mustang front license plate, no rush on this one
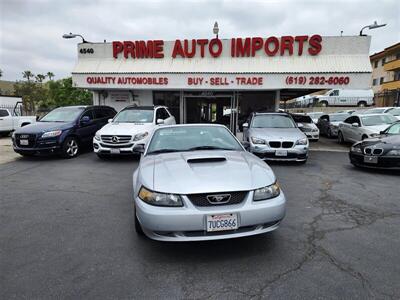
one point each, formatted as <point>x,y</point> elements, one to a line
<point>222,222</point>
<point>281,152</point>
<point>371,159</point>
<point>24,142</point>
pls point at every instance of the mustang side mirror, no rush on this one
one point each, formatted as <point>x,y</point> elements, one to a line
<point>160,121</point>
<point>139,148</point>
<point>245,125</point>
<point>355,125</point>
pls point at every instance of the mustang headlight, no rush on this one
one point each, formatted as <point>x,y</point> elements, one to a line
<point>394,152</point>
<point>267,192</point>
<point>97,137</point>
<point>257,140</point>
<point>159,199</point>
<point>302,141</point>
<point>356,148</point>
<point>53,133</point>
<point>140,136</point>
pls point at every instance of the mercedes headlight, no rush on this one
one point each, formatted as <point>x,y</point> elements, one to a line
<point>303,141</point>
<point>159,199</point>
<point>394,152</point>
<point>267,192</point>
<point>257,140</point>
<point>97,137</point>
<point>140,136</point>
<point>356,148</point>
<point>50,134</point>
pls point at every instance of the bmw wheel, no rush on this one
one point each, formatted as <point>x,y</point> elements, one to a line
<point>70,147</point>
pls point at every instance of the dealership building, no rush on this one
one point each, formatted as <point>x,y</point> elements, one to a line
<point>220,80</point>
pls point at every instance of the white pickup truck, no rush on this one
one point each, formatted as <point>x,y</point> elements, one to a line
<point>10,121</point>
<point>360,98</point>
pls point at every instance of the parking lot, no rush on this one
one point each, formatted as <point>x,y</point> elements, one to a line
<point>66,231</point>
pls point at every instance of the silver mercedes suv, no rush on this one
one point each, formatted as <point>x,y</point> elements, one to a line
<point>275,136</point>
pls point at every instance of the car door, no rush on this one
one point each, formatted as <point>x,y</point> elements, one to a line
<point>87,129</point>
<point>345,128</point>
<point>323,123</point>
<point>101,116</point>
<point>6,121</point>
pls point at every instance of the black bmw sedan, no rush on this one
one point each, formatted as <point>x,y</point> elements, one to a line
<point>380,152</point>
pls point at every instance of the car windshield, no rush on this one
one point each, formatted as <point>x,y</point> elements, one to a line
<point>394,129</point>
<point>394,111</point>
<point>273,121</point>
<point>192,138</point>
<point>338,118</point>
<point>134,116</point>
<point>63,114</point>
<point>376,110</point>
<point>378,120</point>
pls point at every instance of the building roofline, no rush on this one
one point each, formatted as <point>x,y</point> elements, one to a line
<point>384,51</point>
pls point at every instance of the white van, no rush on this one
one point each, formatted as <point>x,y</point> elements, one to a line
<point>338,97</point>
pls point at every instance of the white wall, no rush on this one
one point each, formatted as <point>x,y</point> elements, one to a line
<point>119,99</point>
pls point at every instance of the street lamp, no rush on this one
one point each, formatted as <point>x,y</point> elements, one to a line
<point>72,36</point>
<point>216,29</point>
<point>372,26</point>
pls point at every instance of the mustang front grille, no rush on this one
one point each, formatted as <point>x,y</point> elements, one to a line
<point>213,199</point>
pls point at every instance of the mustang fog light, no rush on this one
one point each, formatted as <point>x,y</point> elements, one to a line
<point>257,140</point>
<point>159,199</point>
<point>140,136</point>
<point>394,152</point>
<point>267,192</point>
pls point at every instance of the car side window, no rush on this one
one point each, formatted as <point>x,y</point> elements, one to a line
<point>110,112</point>
<point>349,120</point>
<point>88,113</point>
<point>3,113</point>
<point>325,118</point>
<point>161,114</point>
<point>357,120</point>
<point>165,113</point>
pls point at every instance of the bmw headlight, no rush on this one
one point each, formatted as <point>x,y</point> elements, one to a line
<point>97,137</point>
<point>395,152</point>
<point>267,192</point>
<point>140,136</point>
<point>257,140</point>
<point>159,199</point>
<point>356,148</point>
<point>50,134</point>
<point>303,141</point>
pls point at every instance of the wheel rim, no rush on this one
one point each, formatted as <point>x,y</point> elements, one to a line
<point>72,148</point>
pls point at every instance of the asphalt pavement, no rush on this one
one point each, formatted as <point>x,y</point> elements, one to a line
<point>66,232</point>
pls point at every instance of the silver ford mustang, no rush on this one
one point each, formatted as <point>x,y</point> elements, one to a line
<point>197,182</point>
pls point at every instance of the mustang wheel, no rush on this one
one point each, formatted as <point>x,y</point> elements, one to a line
<point>70,147</point>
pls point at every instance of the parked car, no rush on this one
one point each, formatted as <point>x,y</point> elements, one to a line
<point>196,182</point>
<point>315,116</point>
<point>337,97</point>
<point>380,152</point>
<point>328,124</point>
<point>64,131</point>
<point>346,111</point>
<point>359,127</point>
<point>275,136</point>
<point>132,125</point>
<point>395,111</point>
<point>10,121</point>
<point>308,127</point>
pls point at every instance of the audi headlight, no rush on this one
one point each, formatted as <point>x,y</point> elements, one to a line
<point>303,141</point>
<point>159,199</point>
<point>257,140</point>
<point>140,136</point>
<point>394,152</point>
<point>50,134</point>
<point>267,192</point>
<point>356,148</point>
<point>97,137</point>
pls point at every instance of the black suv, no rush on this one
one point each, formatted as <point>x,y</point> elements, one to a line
<point>64,130</point>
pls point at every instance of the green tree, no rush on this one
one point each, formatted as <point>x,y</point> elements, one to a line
<point>40,78</point>
<point>28,75</point>
<point>50,75</point>
<point>62,93</point>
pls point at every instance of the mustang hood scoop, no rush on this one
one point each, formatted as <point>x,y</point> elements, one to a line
<point>205,159</point>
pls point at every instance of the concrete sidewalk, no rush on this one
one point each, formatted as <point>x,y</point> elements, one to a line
<point>7,153</point>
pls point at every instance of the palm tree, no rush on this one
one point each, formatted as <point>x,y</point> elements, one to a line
<point>28,75</point>
<point>50,75</point>
<point>40,77</point>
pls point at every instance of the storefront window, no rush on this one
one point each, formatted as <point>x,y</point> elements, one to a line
<point>170,100</point>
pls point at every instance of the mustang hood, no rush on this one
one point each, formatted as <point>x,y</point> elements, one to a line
<point>291,134</point>
<point>126,128</point>
<point>204,172</point>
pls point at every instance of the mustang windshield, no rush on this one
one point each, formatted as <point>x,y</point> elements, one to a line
<point>134,116</point>
<point>378,120</point>
<point>192,138</point>
<point>272,121</point>
<point>63,114</point>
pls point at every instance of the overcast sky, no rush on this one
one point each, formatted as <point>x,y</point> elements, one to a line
<point>31,30</point>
